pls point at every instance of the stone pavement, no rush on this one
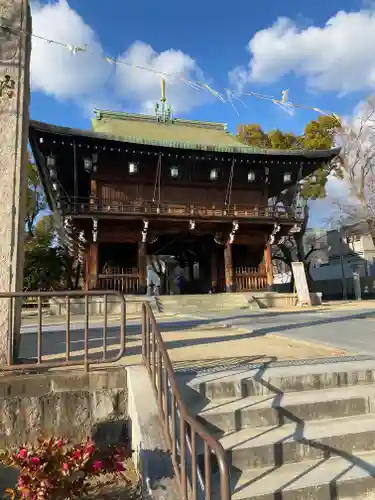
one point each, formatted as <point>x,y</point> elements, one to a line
<point>204,348</point>
<point>29,316</point>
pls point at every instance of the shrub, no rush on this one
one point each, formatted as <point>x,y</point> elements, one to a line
<point>59,470</point>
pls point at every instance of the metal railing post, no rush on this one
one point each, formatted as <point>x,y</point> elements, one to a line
<point>177,423</point>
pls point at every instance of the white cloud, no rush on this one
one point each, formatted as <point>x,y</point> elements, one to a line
<point>91,81</point>
<point>144,87</point>
<point>336,57</point>
<point>54,70</point>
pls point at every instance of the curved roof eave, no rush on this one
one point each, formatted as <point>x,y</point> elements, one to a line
<point>72,132</point>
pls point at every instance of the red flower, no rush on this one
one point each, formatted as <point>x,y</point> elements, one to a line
<point>97,465</point>
<point>35,461</point>
<point>76,454</point>
<point>22,453</point>
<point>119,467</point>
<point>59,443</point>
<point>89,448</point>
<point>65,466</point>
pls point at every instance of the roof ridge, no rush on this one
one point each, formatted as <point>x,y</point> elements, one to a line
<point>123,115</point>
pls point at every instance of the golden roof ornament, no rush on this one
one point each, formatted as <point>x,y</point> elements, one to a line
<point>163,110</point>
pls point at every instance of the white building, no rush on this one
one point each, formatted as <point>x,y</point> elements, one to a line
<point>339,255</point>
<point>342,252</point>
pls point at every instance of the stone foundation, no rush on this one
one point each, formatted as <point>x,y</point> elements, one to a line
<point>180,303</point>
<point>73,406</point>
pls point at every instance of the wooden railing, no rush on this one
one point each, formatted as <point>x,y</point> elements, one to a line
<point>182,209</point>
<point>250,278</point>
<point>124,281</point>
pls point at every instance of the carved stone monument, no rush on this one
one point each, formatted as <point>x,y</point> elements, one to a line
<point>15,49</point>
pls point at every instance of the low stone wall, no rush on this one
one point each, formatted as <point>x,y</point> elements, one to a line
<point>57,306</point>
<point>282,300</point>
<point>72,405</point>
<point>179,303</point>
<point>333,289</point>
<point>151,455</point>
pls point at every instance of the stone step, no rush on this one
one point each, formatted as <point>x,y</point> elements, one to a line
<point>293,407</point>
<point>240,383</point>
<point>276,446</point>
<point>347,477</point>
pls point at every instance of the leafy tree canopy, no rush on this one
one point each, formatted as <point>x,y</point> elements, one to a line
<point>318,134</point>
<point>44,262</point>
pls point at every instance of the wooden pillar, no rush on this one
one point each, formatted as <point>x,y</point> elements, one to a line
<point>228,263</point>
<point>268,264</point>
<point>86,269</point>
<point>142,268</point>
<point>214,273</point>
<point>93,194</point>
<point>93,257</point>
<point>93,266</point>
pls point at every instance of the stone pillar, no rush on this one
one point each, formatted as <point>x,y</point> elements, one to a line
<point>142,268</point>
<point>15,48</point>
<point>228,263</point>
<point>268,265</point>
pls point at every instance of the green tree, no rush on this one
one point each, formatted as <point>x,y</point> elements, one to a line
<point>44,260</point>
<point>318,134</point>
<point>280,140</point>
<point>36,203</point>
<point>44,266</point>
<point>253,135</point>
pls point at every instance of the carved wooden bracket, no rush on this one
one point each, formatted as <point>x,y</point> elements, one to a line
<point>7,86</point>
<point>144,231</point>
<point>232,234</point>
<point>295,229</point>
<point>275,230</point>
<point>81,246</point>
<point>94,230</point>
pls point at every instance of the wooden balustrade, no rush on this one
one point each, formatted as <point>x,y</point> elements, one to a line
<point>126,281</point>
<point>250,278</point>
<point>181,209</point>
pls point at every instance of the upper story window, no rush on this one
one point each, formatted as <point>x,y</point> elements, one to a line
<point>133,167</point>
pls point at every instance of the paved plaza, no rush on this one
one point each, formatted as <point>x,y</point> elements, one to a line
<point>231,335</point>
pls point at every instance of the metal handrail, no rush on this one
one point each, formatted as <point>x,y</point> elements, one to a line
<point>86,362</point>
<point>156,359</point>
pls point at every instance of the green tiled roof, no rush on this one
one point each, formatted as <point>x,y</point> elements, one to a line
<point>184,134</point>
<point>179,134</point>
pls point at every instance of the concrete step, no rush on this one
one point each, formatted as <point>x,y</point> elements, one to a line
<point>293,407</point>
<point>240,383</point>
<point>204,302</point>
<point>349,477</point>
<point>276,446</point>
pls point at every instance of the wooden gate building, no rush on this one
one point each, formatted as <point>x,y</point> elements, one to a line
<point>139,186</point>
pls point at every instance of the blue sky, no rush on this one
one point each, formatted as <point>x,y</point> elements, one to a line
<point>215,35</point>
<point>321,51</point>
